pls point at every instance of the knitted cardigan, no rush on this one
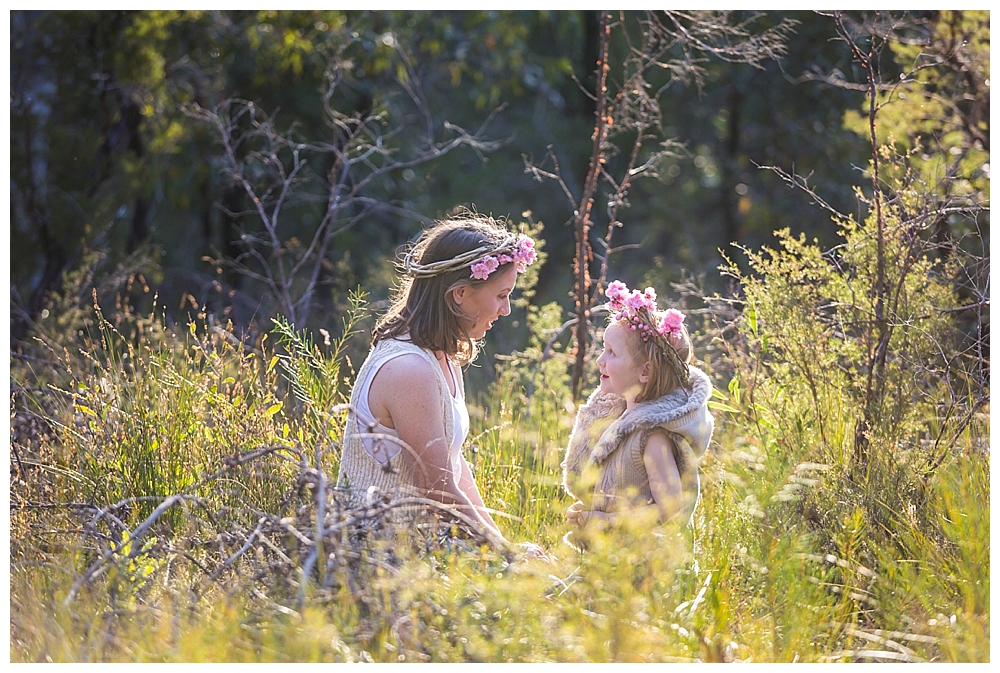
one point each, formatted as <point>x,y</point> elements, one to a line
<point>366,477</point>
<point>604,461</point>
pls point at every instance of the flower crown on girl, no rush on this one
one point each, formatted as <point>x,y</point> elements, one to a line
<point>638,309</point>
<point>484,260</point>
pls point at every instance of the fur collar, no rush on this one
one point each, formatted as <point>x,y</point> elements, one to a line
<point>683,411</point>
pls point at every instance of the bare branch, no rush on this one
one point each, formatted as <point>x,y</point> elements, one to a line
<point>555,174</point>
<point>274,171</point>
<point>801,182</point>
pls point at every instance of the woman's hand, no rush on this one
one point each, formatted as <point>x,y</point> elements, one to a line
<point>534,551</point>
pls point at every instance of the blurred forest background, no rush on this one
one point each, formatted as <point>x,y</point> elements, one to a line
<point>129,131</point>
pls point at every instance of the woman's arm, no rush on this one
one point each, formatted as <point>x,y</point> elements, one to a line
<point>404,395</point>
<point>467,484</point>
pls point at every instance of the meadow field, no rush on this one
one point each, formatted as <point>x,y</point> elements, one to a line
<point>173,494</point>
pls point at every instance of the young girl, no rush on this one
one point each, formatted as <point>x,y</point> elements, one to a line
<point>636,442</point>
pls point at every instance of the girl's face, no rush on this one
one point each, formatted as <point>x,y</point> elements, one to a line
<point>620,373</point>
<point>486,302</point>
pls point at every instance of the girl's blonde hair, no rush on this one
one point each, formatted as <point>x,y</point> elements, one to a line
<point>424,306</point>
<point>667,371</point>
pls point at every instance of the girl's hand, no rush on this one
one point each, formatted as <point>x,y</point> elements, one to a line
<point>574,514</point>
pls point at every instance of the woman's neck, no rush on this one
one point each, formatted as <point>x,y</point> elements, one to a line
<point>448,372</point>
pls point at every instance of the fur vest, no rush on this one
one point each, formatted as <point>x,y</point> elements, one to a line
<point>604,461</point>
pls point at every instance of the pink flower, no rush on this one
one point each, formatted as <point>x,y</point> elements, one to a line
<point>672,322</point>
<point>636,301</point>
<point>525,253</point>
<point>482,270</point>
<point>627,304</point>
<point>522,255</point>
<point>617,290</point>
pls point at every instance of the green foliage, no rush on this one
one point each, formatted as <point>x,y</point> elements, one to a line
<point>103,157</point>
<point>315,377</point>
<point>517,460</point>
<point>814,361</point>
<point>150,419</point>
<point>939,102</point>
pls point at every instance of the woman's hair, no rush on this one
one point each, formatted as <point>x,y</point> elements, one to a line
<point>424,306</point>
<point>665,374</point>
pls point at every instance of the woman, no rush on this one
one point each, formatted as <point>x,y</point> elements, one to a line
<point>408,418</point>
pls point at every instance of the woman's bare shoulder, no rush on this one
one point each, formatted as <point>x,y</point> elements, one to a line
<point>407,366</point>
<point>407,374</point>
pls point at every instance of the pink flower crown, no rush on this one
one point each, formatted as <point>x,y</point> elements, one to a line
<point>483,261</point>
<point>626,306</point>
<point>521,252</point>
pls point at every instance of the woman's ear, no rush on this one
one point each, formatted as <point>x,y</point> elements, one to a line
<point>458,294</point>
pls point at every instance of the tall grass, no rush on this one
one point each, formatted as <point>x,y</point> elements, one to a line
<point>791,557</point>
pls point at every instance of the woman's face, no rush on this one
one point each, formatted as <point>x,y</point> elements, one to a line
<point>620,373</point>
<point>484,303</point>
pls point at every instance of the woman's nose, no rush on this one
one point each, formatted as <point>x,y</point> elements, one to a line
<point>505,307</point>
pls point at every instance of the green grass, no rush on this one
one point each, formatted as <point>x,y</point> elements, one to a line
<point>789,560</point>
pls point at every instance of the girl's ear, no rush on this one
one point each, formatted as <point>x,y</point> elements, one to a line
<point>644,373</point>
<point>458,294</point>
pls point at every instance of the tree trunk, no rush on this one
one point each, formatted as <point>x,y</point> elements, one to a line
<point>581,263</point>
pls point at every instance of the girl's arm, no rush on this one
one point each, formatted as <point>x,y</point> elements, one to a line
<point>664,482</point>
<point>664,477</point>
